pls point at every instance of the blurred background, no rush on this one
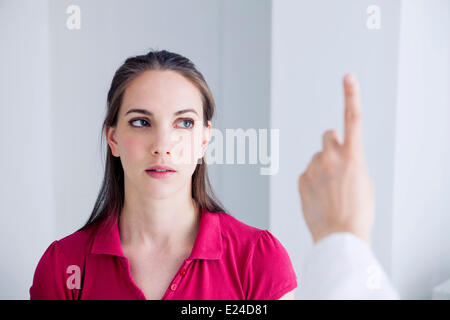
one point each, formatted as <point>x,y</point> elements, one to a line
<point>270,64</point>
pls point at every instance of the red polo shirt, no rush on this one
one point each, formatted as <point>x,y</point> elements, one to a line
<point>229,260</point>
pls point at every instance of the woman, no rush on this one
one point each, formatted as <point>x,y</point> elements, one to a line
<point>155,232</point>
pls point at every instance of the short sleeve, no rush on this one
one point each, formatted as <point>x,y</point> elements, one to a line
<point>270,273</point>
<point>48,280</point>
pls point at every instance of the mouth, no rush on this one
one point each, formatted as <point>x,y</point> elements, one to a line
<point>158,168</point>
<point>159,174</point>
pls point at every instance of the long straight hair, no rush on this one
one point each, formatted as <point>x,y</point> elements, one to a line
<point>110,199</point>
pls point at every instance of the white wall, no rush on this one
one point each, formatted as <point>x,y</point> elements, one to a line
<point>26,192</point>
<point>245,97</point>
<point>421,245</point>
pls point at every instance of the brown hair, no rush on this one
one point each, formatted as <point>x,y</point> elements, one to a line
<point>111,196</point>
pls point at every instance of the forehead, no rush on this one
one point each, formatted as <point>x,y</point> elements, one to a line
<point>162,92</point>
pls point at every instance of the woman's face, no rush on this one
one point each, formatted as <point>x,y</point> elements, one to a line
<point>161,134</point>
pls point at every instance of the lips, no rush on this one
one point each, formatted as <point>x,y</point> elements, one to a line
<point>164,174</point>
<point>158,168</point>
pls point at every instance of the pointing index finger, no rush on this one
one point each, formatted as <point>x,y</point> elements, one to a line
<point>353,125</point>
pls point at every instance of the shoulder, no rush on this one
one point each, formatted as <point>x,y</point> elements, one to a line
<point>234,229</point>
<point>73,248</point>
<point>251,239</point>
<point>79,242</point>
<point>255,238</point>
<point>59,258</point>
<point>268,272</point>
<point>73,245</point>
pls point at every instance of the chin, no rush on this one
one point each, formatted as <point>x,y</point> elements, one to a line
<point>161,195</point>
<point>161,191</point>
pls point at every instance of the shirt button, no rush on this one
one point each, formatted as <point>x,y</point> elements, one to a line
<point>183,272</point>
<point>173,287</point>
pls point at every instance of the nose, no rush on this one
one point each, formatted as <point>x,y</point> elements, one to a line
<point>162,144</point>
<point>161,150</point>
<point>155,152</point>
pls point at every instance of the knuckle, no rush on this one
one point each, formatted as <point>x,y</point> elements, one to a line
<point>326,134</point>
<point>302,180</point>
<point>316,157</point>
<point>330,139</point>
<point>351,156</point>
<point>329,135</point>
<point>350,92</point>
<point>352,115</point>
<point>329,163</point>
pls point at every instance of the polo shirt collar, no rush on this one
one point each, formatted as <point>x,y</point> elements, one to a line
<point>207,244</point>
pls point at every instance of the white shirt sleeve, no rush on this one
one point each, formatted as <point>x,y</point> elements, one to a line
<point>342,266</point>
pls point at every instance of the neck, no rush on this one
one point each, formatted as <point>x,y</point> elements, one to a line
<point>159,224</point>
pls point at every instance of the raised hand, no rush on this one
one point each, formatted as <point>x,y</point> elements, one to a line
<point>336,191</point>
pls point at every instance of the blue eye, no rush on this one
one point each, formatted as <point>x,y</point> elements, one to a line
<point>137,120</point>
<point>190,121</point>
<point>146,123</point>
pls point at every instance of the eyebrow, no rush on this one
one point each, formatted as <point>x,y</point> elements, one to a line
<point>148,113</point>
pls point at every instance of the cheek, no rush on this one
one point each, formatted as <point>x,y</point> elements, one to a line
<point>194,147</point>
<point>132,147</point>
<point>197,142</point>
<point>187,149</point>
